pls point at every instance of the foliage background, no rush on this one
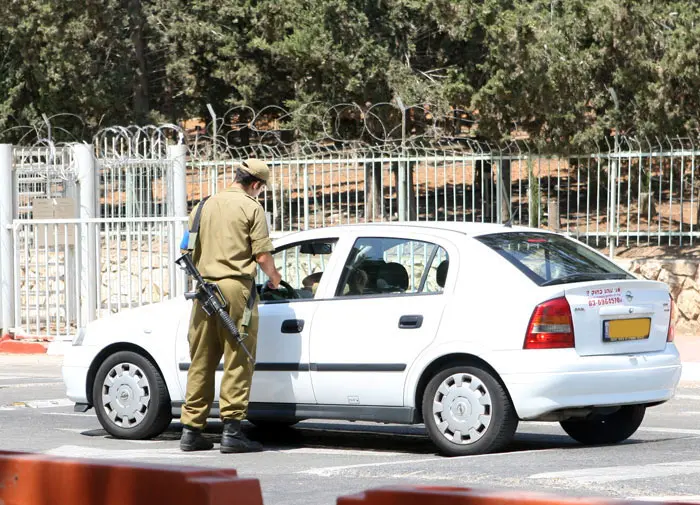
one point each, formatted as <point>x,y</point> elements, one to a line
<point>566,72</point>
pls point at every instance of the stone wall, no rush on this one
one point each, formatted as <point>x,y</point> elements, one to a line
<point>683,279</point>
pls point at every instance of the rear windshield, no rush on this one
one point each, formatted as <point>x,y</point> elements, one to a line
<point>550,259</point>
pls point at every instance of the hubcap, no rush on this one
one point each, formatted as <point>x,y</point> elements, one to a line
<point>126,395</point>
<point>462,408</point>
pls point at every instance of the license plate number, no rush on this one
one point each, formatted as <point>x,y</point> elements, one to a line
<point>626,329</point>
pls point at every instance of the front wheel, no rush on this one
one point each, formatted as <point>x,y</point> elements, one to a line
<point>467,411</point>
<point>609,429</point>
<point>130,397</point>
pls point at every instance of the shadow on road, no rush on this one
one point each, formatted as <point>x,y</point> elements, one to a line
<point>392,438</point>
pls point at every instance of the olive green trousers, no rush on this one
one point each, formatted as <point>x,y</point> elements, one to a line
<point>209,341</point>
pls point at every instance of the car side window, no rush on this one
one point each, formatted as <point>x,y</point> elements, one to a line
<point>383,265</point>
<point>302,265</point>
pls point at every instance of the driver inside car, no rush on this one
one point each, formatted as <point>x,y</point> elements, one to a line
<point>310,282</point>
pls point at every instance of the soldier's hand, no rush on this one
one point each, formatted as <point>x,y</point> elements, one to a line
<point>274,281</point>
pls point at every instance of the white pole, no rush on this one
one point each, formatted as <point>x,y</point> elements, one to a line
<point>178,155</point>
<point>85,167</point>
<point>6,247</point>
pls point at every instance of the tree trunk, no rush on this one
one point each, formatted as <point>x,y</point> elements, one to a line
<point>373,191</point>
<point>504,175</point>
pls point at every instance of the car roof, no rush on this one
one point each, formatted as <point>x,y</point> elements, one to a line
<point>461,227</point>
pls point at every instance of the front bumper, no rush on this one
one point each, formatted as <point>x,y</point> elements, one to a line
<point>75,369</point>
<point>565,380</point>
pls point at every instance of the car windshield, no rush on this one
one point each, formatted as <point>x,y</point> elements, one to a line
<point>549,259</point>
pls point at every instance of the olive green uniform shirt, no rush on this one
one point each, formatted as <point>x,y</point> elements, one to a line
<point>232,232</point>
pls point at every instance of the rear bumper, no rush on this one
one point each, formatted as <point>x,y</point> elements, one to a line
<point>567,380</point>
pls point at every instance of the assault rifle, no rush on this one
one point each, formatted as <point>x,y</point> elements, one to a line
<point>213,301</point>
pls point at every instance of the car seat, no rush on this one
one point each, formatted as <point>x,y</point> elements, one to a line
<point>392,277</point>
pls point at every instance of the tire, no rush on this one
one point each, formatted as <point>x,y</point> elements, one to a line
<point>272,424</point>
<point>468,399</point>
<point>609,429</point>
<point>120,413</point>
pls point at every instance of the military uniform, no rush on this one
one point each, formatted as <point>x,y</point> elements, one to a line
<point>233,231</point>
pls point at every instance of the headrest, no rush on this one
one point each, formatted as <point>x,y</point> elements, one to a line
<point>441,273</point>
<point>393,274</point>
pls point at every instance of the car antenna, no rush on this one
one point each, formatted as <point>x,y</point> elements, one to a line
<point>511,216</point>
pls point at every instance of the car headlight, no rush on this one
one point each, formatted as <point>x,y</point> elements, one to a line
<point>78,340</point>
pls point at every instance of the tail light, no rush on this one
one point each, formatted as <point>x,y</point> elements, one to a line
<point>550,326</point>
<point>671,323</point>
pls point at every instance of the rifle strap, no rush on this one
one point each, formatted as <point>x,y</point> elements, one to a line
<point>194,230</point>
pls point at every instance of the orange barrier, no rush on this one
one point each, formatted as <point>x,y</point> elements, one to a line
<point>34,479</point>
<point>427,495</point>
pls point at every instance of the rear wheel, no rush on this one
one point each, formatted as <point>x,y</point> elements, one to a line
<point>466,411</point>
<point>130,397</point>
<point>607,429</point>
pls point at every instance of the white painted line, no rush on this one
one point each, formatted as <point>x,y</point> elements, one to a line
<point>677,499</point>
<point>688,397</point>
<point>38,404</point>
<point>30,384</point>
<point>623,473</point>
<point>332,471</point>
<point>70,414</point>
<point>75,451</point>
<point>680,431</point>
<point>339,452</point>
<point>46,404</point>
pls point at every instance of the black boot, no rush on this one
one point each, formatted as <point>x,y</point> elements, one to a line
<point>233,439</point>
<point>192,440</point>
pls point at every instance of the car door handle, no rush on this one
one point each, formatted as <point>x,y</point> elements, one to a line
<point>411,321</point>
<point>292,326</point>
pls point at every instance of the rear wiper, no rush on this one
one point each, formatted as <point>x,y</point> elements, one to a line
<point>583,278</point>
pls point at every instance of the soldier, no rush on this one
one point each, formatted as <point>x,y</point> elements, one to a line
<point>233,240</point>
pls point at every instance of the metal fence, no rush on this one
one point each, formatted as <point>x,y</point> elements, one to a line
<point>54,288</point>
<point>132,188</point>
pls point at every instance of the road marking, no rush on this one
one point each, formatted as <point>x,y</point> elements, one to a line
<point>688,397</point>
<point>38,404</point>
<point>339,452</point>
<point>332,471</point>
<point>75,451</point>
<point>681,499</point>
<point>621,473</point>
<point>30,384</point>
<point>44,404</point>
<point>648,429</point>
<point>70,414</point>
<point>680,431</point>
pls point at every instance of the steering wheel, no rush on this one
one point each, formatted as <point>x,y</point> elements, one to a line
<point>278,294</point>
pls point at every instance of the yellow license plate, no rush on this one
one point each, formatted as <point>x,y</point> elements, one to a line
<point>626,329</point>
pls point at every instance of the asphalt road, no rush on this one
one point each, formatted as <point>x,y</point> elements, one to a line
<point>315,462</point>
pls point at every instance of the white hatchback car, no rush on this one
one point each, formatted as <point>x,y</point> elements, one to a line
<point>466,328</point>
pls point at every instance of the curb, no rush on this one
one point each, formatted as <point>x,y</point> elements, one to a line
<point>10,346</point>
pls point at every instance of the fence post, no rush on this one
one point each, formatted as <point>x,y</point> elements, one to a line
<point>402,166</point>
<point>85,170</point>
<point>612,208</point>
<point>306,197</point>
<point>178,155</point>
<point>6,248</point>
